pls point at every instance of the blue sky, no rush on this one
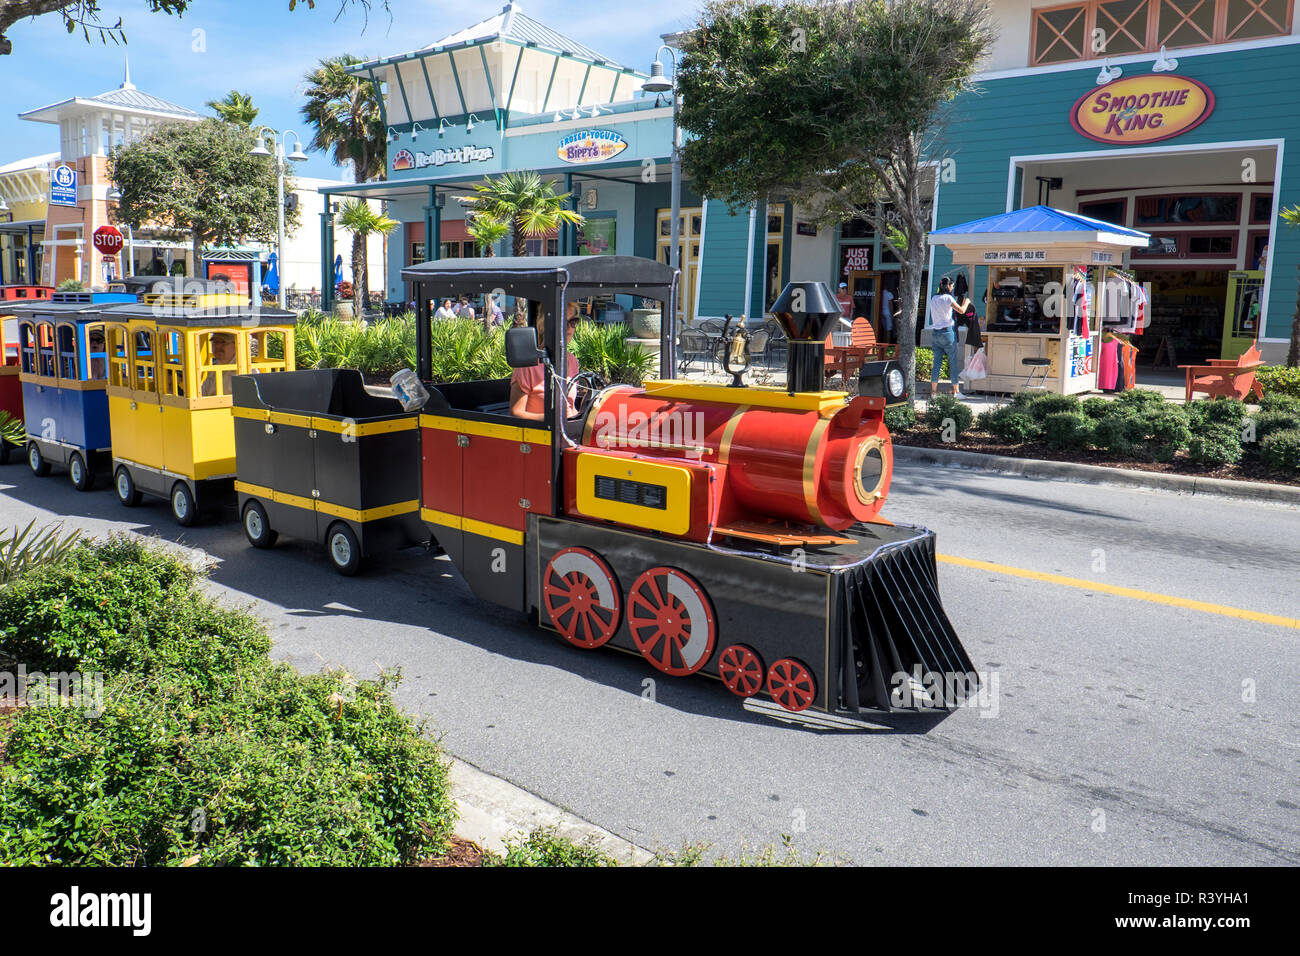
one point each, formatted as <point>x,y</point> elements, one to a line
<point>262,49</point>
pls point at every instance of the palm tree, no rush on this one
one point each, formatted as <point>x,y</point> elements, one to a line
<point>486,232</point>
<point>524,200</point>
<point>349,124</point>
<point>358,217</point>
<point>235,108</point>
<point>1292,218</point>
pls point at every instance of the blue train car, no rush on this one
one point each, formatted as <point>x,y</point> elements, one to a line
<point>63,368</point>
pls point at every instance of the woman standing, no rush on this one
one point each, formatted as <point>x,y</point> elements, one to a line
<point>943,333</point>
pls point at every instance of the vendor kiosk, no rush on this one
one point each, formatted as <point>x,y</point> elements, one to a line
<point>1044,267</point>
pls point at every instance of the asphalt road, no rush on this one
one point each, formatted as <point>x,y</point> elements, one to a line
<point>1123,731</point>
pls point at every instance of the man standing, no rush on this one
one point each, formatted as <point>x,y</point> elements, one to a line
<point>887,314</point>
<point>846,302</point>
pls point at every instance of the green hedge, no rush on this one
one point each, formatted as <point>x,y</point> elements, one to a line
<point>1281,450</point>
<point>949,417</point>
<point>205,751</point>
<point>1279,380</point>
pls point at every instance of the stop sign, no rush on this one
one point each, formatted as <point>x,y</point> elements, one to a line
<point>108,240</point>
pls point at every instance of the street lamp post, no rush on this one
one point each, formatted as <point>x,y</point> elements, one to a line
<point>297,156</point>
<point>658,83</point>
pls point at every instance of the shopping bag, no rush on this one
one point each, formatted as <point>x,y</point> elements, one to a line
<point>977,367</point>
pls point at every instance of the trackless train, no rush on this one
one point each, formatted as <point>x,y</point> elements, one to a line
<point>730,532</point>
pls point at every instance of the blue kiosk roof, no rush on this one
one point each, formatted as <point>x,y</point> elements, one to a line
<point>1041,221</point>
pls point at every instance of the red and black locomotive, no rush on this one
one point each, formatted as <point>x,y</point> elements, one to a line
<point>731,532</point>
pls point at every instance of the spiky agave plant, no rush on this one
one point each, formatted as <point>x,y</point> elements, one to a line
<point>21,551</point>
<point>12,429</point>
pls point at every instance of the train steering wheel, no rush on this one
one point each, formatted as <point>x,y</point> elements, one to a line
<point>586,385</point>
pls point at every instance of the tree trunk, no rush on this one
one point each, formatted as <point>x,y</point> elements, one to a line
<point>1293,353</point>
<point>909,296</point>
<point>196,242</point>
<point>518,246</point>
<point>358,275</point>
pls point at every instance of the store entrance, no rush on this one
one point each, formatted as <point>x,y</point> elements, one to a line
<point>865,289</point>
<point>1187,313</point>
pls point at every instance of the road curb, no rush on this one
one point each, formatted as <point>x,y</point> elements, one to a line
<point>1100,475</point>
<point>492,810</point>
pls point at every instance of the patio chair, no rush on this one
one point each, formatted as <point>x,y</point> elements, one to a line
<point>694,346</point>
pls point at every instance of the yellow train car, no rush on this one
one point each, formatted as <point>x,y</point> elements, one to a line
<point>170,365</point>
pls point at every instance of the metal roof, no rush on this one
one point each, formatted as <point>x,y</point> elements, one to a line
<point>513,24</point>
<point>510,24</point>
<point>620,271</point>
<point>1038,219</point>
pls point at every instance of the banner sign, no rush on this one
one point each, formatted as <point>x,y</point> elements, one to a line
<point>1142,109</point>
<point>590,146</point>
<point>1015,255</point>
<point>454,156</point>
<point>63,185</point>
<point>855,259</point>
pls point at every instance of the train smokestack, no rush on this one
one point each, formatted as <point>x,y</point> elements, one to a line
<point>807,311</point>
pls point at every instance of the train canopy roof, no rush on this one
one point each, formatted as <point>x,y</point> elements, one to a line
<point>208,317</point>
<point>521,275</point>
<point>82,311</point>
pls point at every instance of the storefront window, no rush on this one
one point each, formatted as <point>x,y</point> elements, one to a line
<point>1250,19</point>
<point>1107,210</point>
<point>417,253</point>
<point>1121,27</point>
<point>1187,210</point>
<point>1186,22</point>
<point>1102,28</point>
<point>1059,34</point>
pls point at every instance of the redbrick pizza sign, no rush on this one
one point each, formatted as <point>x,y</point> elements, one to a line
<point>1142,109</point>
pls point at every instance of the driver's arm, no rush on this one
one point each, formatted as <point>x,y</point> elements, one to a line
<point>519,400</point>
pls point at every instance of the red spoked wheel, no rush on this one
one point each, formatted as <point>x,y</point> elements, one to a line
<point>582,597</point>
<point>741,670</point>
<point>671,621</point>
<point>791,684</point>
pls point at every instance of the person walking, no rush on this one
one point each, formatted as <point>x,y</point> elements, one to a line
<point>943,333</point>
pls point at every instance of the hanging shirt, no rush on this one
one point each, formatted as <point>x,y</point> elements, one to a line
<point>1082,296</point>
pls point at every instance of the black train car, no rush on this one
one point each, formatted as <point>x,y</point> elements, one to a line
<point>320,457</point>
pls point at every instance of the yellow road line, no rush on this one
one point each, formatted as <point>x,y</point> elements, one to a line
<point>1135,593</point>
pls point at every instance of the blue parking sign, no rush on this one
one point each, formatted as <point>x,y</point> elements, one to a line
<point>63,185</point>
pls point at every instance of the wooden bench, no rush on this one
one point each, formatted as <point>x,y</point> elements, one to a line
<point>1226,378</point>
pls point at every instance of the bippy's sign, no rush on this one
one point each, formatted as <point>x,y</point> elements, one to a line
<point>1142,109</point>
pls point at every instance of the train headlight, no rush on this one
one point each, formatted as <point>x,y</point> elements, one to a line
<point>883,380</point>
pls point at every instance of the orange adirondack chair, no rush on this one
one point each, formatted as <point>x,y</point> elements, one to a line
<point>864,336</point>
<point>1226,378</point>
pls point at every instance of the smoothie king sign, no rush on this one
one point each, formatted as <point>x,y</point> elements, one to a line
<point>1142,109</point>
<point>590,146</point>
